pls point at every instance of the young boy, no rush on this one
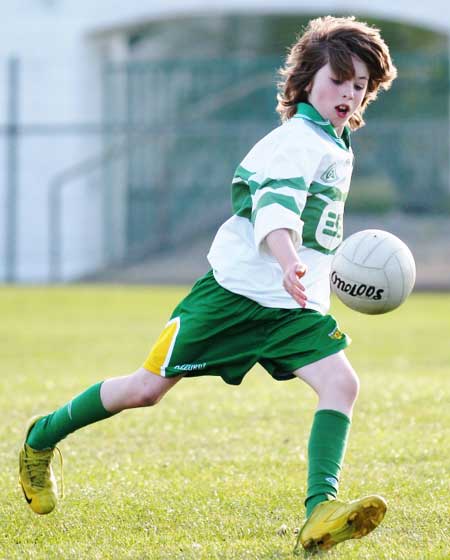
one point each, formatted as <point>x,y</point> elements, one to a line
<point>266,298</point>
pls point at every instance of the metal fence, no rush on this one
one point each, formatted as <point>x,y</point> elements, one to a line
<point>173,132</point>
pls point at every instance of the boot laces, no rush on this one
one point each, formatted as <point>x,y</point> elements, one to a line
<point>38,466</point>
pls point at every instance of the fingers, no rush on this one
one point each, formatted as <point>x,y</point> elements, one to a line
<point>298,293</point>
<point>293,285</point>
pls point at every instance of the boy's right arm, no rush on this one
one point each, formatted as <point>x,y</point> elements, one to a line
<point>282,248</point>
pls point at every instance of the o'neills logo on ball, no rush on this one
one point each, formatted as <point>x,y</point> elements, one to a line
<point>355,289</point>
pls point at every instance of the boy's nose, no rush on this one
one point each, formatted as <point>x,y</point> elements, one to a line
<point>348,93</point>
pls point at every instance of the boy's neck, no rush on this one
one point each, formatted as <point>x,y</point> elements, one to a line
<point>309,112</point>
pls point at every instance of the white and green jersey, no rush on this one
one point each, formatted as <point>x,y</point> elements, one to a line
<point>297,178</point>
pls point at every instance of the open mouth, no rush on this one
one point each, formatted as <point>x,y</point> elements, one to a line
<point>342,110</point>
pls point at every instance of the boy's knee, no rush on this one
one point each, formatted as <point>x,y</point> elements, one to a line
<point>148,389</point>
<point>346,382</point>
<point>147,398</point>
<point>148,395</point>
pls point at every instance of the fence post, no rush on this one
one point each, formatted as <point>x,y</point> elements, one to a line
<point>12,183</point>
<point>108,122</point>
<point>55,231</point>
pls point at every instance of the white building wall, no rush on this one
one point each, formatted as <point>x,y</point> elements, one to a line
<point>59,85</point>
<point>3,77</point>
<point>60,44</point>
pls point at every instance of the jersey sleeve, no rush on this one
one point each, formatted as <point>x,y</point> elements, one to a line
<point>279,191</point>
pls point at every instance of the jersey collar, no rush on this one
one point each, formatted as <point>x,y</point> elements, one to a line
<point>307,112</point>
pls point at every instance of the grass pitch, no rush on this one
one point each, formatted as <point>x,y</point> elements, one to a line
<point>214,472</point>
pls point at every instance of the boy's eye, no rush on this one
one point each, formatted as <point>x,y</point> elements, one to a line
<point>337,82</point>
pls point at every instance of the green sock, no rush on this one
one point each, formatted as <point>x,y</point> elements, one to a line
<point>84,409</point>
<point>326,449</point>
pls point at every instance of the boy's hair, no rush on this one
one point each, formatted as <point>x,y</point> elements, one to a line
<point>334,40</point>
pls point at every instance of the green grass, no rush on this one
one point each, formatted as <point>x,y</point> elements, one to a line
<point>214,471</point>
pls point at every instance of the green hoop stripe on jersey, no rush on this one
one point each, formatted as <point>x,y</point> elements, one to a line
<point>241,197</point>
<point>332,193</point>
<point>269,198</point>
<point>225,334</point>
<point>242,201</point>
<point>242,173</point>
<point>244,187</point>
<point>296,183</point>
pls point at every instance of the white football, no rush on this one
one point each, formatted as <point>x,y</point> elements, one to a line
<point>373,272</point>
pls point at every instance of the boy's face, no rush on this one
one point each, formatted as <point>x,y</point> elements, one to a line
<point>335,100</point>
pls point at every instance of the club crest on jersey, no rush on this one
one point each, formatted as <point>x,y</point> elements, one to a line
<point>330,174</point>
<point>336,334</point>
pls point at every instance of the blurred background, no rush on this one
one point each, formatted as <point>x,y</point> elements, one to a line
<point>121,125</point>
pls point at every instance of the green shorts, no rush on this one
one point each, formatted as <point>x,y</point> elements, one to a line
<point>213,331</point>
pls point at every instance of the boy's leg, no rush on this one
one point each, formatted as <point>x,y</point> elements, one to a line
<point>329,521</point>
<point>336,385</point>
<point>98,402</point>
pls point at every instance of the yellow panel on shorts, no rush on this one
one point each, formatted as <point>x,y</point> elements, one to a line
<point>159,355</point>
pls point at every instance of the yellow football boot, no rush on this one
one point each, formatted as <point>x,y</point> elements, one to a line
<point>333,522</point>
<point>36,475</point>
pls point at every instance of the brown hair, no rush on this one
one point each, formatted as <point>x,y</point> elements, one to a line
<point>334,40</point>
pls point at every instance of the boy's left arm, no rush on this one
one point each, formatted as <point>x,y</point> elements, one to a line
<point>282,248</point>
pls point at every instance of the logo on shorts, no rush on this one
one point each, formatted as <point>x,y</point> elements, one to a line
<point>190,367</point>
<point>336,334</point>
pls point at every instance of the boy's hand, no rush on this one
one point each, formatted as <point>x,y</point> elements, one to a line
<point>282,248</point>
<point>292,284</point>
